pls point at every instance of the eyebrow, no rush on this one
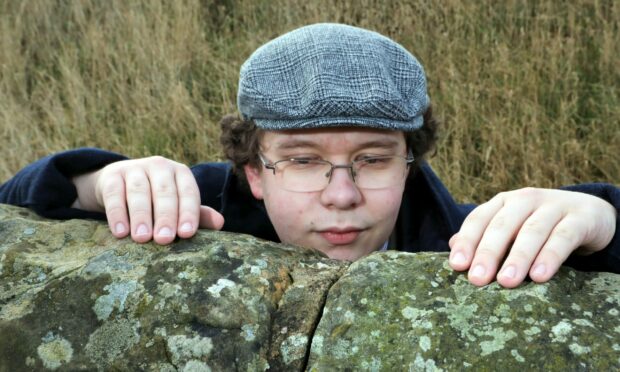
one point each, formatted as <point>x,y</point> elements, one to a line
<point>386,143</point>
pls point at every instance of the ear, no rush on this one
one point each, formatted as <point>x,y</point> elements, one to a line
<point>256,184</point>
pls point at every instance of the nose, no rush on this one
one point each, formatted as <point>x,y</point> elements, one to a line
<point>341,192</point>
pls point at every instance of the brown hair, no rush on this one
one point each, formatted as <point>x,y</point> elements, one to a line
<point>241,142</point>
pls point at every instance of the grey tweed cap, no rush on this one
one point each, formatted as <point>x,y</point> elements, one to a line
<point>327,75</point>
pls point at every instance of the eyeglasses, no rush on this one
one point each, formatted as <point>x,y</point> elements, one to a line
<point>308,175</point>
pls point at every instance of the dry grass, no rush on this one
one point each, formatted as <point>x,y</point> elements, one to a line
<point>529,92</point>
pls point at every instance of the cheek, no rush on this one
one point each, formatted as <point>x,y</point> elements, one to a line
<point>384,204</point>
<point>289,212</point>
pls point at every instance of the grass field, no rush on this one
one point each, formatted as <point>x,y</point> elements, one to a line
<point>528,91</point>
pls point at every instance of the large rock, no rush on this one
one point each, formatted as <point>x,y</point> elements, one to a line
<point>413,312</point>
<point>72,297</point>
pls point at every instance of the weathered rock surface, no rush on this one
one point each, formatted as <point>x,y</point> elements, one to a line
<point>72,297</point>
<point>415,313</point>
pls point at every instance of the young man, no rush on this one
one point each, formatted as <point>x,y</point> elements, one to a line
<point>335,125</point>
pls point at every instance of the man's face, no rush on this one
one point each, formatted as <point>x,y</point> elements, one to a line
<point>343,221</point>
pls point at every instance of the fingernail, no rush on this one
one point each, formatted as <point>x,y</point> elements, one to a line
<point>165,231</point>
<point>119,228</point>
<point>142,230</point>
<point>509,272</point>
<point>458,258</point>
<point>186,227</point>
<point>539,270</point>
<point>478,271</point>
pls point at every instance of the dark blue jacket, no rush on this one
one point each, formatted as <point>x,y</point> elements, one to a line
<point>428,216</point>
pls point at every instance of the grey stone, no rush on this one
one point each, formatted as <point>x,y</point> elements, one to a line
<point>412,312</point>
<point>72,297</point>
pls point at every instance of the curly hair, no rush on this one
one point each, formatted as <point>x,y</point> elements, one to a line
<point>240,140</point>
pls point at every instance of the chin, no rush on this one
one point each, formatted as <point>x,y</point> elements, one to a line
<point>344,253</point>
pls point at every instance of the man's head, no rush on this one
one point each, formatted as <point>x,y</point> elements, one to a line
<point>334,94</point>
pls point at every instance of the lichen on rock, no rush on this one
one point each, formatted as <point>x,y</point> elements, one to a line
<point>208,303</point>
<point>428,317</point>
<point>73,297</point>
<point>54,351</point>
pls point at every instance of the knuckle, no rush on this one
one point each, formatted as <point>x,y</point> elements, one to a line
<point>501,195</point>
<point>189,190</point>
<point>475,218</point>
<point>110,190</point>
<point>498,223</point>
<point>157,158</point>
<point>165,189</point>
<point>137,186</point>
<point>486,252</point>
<point>115,210</point>
<point>165,211</point>
<point>140,214</point>
<point>533,227</point>
<point>114,167</point>
<point>567,235</point>
<point>518,256</point>
<point>552,255</point>
<point>182,167</point>
<point>527,192</point>
<point>189,204</point>
<point>159,161</point>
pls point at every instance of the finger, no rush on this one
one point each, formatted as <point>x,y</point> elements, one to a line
<point>210,218</point>
<point>496,238</point>
<point>189,202</point>
<point>138,198</point>
<point>529,241</point>
<point>114,202</point>
<point>464,243</point>
<point>165,204</point>
<point>566,236</point>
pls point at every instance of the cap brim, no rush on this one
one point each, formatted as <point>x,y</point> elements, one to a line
<point>327,122</point>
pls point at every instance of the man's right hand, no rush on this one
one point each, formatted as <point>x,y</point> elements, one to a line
<point>151,198</point>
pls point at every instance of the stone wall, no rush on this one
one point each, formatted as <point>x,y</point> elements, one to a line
<point>72,297</point>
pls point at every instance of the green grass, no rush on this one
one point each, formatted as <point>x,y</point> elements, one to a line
<point>528,92</point>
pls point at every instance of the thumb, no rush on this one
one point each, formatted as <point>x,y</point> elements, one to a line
<point>210,218</point>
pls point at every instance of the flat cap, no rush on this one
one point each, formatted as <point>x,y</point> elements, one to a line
<point>327,75</point>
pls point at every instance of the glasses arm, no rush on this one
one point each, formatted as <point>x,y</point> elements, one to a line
<point>267,164</point>
<point>410,158</point>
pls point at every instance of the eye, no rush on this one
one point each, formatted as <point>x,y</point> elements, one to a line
<point>374,161</point>
<point>304,163</point>
<point>303,160</point>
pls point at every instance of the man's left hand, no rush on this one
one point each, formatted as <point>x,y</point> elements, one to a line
<point>535,230</point>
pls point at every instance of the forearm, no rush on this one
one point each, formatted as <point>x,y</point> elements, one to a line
<point>46,185</point>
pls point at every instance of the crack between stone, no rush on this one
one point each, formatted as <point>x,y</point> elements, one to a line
<point>291,282</point>
<point>277,307</point>
<point>315,325</point>
<point>169,357</point>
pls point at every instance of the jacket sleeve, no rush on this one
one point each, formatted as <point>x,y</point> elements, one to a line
<point>45,186</point>
<point>607,259</point>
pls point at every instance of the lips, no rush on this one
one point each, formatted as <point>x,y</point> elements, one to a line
<point>340,236</point>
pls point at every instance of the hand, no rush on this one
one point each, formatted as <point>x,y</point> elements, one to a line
<point>151,198</point>
<point>543,226</point>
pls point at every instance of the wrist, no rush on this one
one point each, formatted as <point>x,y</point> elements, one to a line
<point>85,185</point>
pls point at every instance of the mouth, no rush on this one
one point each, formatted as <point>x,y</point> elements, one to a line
<point>337,236</point>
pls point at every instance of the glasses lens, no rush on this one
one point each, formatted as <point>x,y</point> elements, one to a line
<point>304,175</point>
<point>380,172</point>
